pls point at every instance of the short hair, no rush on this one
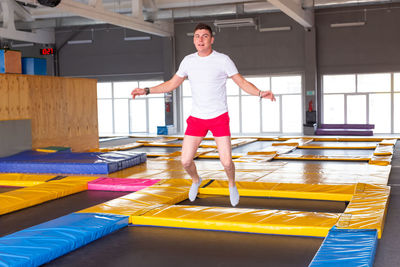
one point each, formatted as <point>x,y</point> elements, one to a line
<point>203,26</point>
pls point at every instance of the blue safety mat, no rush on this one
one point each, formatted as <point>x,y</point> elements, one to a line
<point>47,241</point>
<point>74,163</point>
<point>347,247</point>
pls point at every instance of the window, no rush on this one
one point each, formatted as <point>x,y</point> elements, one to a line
<point>249,115</point>
<point>119,114</point>
<point>362,98</point>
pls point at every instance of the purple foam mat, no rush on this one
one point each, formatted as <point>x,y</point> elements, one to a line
<point>361,132</point>
<point>346,126</point>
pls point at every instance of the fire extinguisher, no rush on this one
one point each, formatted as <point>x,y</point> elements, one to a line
<point>168,107</point>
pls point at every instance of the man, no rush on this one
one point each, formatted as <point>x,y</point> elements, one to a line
<point>207,71</point>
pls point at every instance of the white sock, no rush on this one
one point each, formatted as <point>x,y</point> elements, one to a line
<point>234,195</point>
<point>194,188</point>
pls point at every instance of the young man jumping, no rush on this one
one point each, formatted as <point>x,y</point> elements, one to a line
<point>207,72</point>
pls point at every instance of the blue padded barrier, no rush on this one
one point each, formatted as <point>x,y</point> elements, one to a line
<point>347,247</point>
<point>70,163</point>
<point>47,241</point>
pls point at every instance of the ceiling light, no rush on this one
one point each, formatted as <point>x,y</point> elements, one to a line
<point>137,38</point>
<point>347,24</point>
<point>80,42</point>
<point>228,23</point>
<point>22,44</point>
<point>275,29</point>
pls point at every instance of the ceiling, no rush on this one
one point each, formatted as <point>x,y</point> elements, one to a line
<point>29,21</point>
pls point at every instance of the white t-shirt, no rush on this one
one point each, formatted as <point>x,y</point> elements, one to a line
<point>207,77</point>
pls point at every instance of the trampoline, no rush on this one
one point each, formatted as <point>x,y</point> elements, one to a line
<point>159,246</point>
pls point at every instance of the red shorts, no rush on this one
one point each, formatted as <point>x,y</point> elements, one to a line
<point>219,126</point>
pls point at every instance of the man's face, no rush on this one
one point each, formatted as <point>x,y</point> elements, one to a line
<point>203,40</point>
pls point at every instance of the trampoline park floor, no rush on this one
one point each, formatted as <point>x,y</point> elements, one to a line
<point>161,246</point>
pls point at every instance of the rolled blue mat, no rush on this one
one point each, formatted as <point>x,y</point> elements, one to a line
<point>45,242</point>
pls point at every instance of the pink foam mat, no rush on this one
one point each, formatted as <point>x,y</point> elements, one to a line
<point>120,184</point>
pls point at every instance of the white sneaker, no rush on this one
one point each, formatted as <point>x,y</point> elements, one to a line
<point>234,196</point>
<point>194,189</point>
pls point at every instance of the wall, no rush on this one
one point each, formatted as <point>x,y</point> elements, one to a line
<point>252,51</point>
<point>370,48</point>
<point>15,136</point>
<point>323,50</point>
<point>62,111</point>
<point>109,57</point>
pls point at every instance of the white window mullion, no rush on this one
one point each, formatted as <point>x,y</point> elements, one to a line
<point>392,101</point>
<point>112,105</point>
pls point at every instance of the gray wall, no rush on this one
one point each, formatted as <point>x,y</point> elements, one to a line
<point>15,136</point>
<point>109,57</point>
<point>371,48</point>
<point>323,50</point>
<point>252,51</point>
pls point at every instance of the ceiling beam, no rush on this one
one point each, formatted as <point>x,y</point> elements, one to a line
<point>164,29</point>
<point>295,10</point>
<point>9,31</point>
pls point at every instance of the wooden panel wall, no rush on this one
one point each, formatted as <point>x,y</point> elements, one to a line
<point>63,111</point>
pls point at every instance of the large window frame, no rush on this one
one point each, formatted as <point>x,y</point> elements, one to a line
<point>237,128</point>
<point>391,88</point>
<point>145,100</point>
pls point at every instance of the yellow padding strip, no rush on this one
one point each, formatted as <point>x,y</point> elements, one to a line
<point>380,160</point>
<point>256,158</point>
<point>18,179</point>
<point>200,151</point>
<point>119,148</point>
<point>322,157</point>
<point>383,150</point>
<point>241,142</point>
<point>30,196</point>
<point>301,191</point>
<point>337,146</point>
<point>273,150</point>
<point>165,192</point>
<point>294,142</point>
<point>215,155</point>
<point>367,209</point>
<point>388,142</point>
<point>240,220</point>
<point>163,144</point>
<point>158,140</point>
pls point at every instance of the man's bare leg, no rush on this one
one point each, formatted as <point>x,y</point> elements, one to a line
<point>225,155</point>
<point>189,149</point>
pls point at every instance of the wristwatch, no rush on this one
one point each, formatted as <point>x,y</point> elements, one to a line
<point>147,90</point>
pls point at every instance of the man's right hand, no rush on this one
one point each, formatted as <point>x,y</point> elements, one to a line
<point>137,91</point>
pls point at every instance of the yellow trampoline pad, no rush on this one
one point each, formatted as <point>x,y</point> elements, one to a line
<point>239,220</point>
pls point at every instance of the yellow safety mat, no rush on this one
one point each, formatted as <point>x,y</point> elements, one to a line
<point>388,142</point>
<point>383,150</point>
<point>284,190</point>
<point>332,173</point>
<point>239,220</point>
<point>367,209</point>
<point>165,192</point>
<point>322,157</point>
<point>26,197</point>
<point>19,179</point>
<point>380,160</point>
